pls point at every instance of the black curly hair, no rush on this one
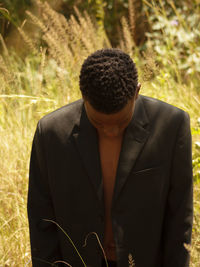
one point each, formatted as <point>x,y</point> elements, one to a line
<point>108,79</point>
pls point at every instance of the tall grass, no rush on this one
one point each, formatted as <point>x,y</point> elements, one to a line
<point>47,78</point>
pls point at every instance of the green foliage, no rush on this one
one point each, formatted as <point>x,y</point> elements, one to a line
<point>15,8</point>
<point>175,38</point>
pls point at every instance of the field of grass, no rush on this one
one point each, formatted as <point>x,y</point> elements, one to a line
<point>47,78</point>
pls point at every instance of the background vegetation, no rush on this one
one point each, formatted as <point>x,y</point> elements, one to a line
<point>45,77</point>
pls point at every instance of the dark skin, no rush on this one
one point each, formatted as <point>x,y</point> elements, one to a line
<point>110,128</point>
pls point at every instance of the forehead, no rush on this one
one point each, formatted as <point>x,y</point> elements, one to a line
<point>99,117</point>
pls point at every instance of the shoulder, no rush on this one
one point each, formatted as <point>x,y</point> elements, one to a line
<point>161,110</point>
<point>62,119</point>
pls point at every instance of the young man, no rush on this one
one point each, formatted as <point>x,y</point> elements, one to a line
<point>116,165</point>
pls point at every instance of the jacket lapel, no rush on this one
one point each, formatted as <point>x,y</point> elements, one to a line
<point>135,137</point>
<point>87,143</point>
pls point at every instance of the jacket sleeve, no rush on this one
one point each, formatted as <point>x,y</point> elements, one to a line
<point>179,210</point>
<point>43,234</point>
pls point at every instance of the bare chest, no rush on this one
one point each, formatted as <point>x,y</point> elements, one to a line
<point>109,155</point>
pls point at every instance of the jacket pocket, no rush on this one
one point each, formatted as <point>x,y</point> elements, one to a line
<point>149,171</point>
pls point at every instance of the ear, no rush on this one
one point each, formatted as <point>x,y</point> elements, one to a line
<point>137,90</point>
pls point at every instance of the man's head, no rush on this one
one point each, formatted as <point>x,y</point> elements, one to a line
<point>108,80</point>
<point>109,85</point>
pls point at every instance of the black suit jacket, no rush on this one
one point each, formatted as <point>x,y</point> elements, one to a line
<point>152,202</point>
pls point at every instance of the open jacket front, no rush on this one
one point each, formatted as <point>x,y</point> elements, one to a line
<point>152,201</point>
